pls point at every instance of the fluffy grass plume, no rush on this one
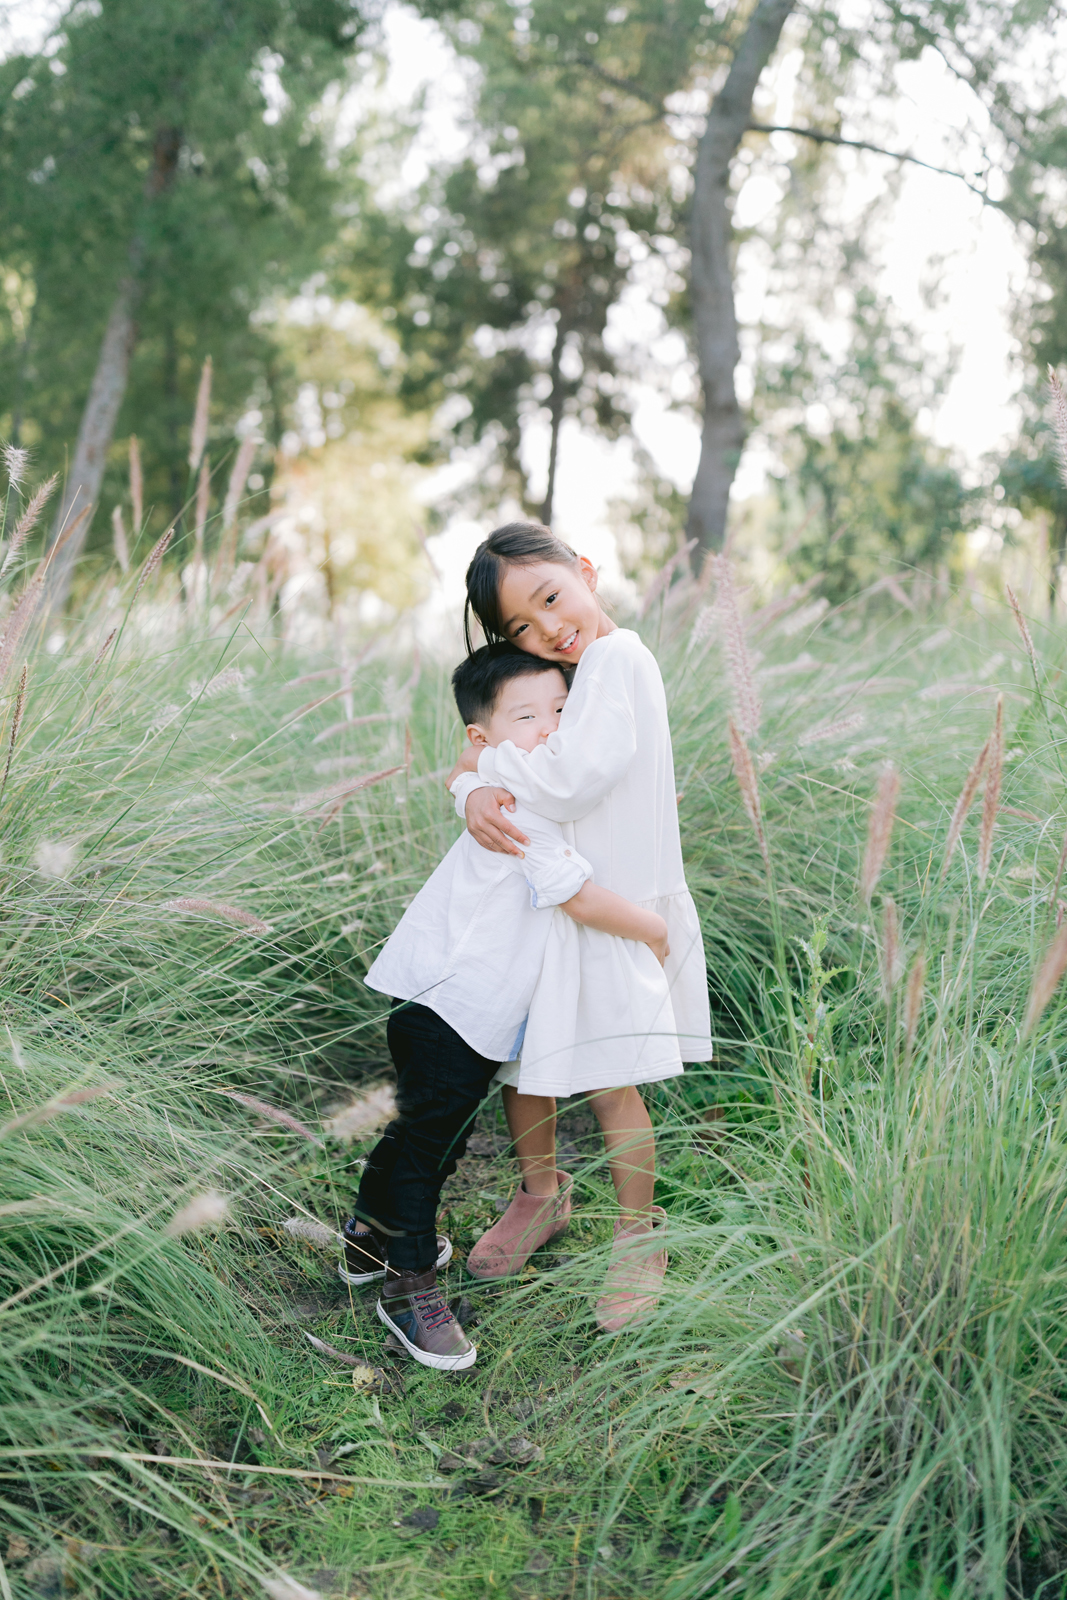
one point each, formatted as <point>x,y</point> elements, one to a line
<point>326,802</point>
<point>1046,980</point>
<point>208,1210</point>
<point>747,705</point>
<point>69,1100</point>
<point>195,905</point>
<point>55,858</point>
<point>890,951</point>
<point>16,723</point>
<point>832,730</point>
<point>26,606</point>
<point>16,463</point>
<point>913,998</point>
<point>29,518</point>
<point>103,650</point>
<point>747,782</point>
<point>1022,625</point>
<point>311,1232</point>
<point>153,559</point>
<point>1059,419</point>
<point>365,1115</point>
<point>879,830</point>
<point>284,1119</point>
<point>991,798</point>
<point>964,801</point>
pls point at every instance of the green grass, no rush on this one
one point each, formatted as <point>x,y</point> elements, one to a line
<point>855,1384</point>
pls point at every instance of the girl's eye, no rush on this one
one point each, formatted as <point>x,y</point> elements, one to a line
<point>518,630</point>
<point>552,597</point>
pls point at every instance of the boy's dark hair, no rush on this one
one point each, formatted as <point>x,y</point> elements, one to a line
<point>516,544</point>
<point>478,680</point>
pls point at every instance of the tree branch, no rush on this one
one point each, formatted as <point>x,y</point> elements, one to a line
<point>625,84</point>
<point>819,137</point>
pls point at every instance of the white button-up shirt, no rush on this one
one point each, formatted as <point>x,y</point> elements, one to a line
<point>472,942</point>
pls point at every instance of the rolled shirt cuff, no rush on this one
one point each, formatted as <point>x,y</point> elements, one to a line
<point>463,788</point>
<point>558,881</point>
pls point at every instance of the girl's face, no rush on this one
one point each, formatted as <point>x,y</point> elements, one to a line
<point>551,610</point>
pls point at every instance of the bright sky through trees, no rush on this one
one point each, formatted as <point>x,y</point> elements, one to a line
<point>934,220</point>
<point>937,237</point>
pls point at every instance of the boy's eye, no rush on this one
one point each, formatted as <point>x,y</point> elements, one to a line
<point>552,597</point>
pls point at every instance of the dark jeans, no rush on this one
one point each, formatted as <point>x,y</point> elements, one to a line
<point>441,1081</point>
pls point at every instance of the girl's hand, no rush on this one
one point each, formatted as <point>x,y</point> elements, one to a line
<point>487,825</point>
<point>658,944</point>
<point>468,762</point>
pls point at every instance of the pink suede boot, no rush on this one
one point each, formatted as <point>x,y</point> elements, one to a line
<point>528,1223</point>
<point>635,1277</point>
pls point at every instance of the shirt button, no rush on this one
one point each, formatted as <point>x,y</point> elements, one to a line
<point>566,852</point>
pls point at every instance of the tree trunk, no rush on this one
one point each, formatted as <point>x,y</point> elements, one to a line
<point>108,386</point>
<point>711,279</point>
<point>555,412</point>
<point>94,435</point>
<point>176,470</point>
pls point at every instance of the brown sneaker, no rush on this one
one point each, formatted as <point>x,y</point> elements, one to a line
<point>528,1223</point>
<point>635,1277</point>
<point>364,1258</point>
<point>413,1307</point>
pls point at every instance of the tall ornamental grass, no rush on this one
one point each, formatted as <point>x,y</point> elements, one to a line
<point>854,1383</point>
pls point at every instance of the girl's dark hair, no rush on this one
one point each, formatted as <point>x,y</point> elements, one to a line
<point>516,544</point>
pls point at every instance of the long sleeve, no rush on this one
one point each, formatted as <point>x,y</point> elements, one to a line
<point>553,869</point>
<point>568,776</point>
<point>463,788</point>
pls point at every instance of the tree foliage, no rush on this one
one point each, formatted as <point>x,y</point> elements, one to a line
<point>182,141</point>
<point>505,276</point>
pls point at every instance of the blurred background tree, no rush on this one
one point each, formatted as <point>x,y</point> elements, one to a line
<point>185,180</point>
<point>164,165</point>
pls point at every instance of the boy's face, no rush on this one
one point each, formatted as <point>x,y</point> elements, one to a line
<point>526,712</point>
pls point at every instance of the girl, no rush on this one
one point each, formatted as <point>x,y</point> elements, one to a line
<point>608,775</point>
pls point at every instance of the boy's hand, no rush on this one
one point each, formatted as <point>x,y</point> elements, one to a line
<point>488,827</point>
<point>658,945</point>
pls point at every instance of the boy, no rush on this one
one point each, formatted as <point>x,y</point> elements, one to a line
<point>461,967</point>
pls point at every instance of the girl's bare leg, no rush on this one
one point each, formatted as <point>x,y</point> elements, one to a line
<point>532,1125</point>
<point>631,1148</point>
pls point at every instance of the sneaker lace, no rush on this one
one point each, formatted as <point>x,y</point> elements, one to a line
<point>431,1307</point>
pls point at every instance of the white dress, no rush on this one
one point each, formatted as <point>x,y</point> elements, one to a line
<point>607,775</point>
